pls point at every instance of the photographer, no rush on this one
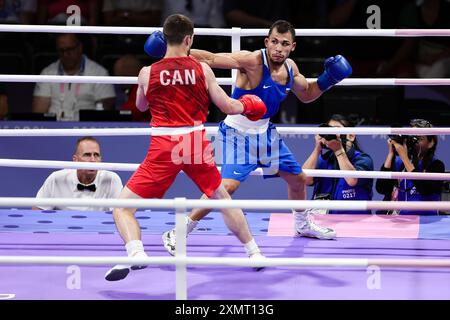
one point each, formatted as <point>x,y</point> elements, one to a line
<point>412,154</point>
<point>340,153</point>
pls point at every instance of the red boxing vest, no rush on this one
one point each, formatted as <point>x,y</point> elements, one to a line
<point>177,93</point>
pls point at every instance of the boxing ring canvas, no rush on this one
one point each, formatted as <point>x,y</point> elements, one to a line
<point>64,233</point>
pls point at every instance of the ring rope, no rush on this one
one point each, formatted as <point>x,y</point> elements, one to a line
<point>49,164</point>
<point>227,261</point>
<point>356,205</point>
<point>222,81</point>
<point>228,31</point>
<point>212,130</point>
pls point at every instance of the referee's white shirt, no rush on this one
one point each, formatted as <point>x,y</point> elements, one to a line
<point>63,184</point>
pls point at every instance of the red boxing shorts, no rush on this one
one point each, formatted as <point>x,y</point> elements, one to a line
<point>167,156</point>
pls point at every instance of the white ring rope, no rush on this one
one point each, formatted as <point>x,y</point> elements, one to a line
<point>356,205</point>
<point>44,260</point>
<point>228,31</point>
<point>80,79</point>
<point>222,81</point>
<point>50,164</point>
<point>221,261</point>
<point>354,32</point>
<point>78,132</point>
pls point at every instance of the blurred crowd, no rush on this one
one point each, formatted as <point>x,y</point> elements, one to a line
<point>122,55</point>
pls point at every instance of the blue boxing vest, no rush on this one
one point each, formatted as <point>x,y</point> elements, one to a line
<point>269,91</point>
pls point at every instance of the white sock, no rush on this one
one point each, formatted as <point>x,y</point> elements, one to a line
<point>190,225</point>
<point>300,217</point>
<point>140,254</point>
<point>251,248</point>
<point>134,247</point>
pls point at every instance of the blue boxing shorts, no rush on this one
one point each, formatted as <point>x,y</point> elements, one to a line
<point>240,153</point>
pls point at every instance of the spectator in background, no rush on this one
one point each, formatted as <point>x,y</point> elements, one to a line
<point>55,11</point>
<point>204,13</point>
<point>15,44</point>
<point>309,14</point>
<point>341,153</point>
<point>135,13</point>
<point>256,13</point>
<point>365,53</point>
<point>67,99</point>
<point>81,184</point>
<point>3,102</point>
<point>412,154</point>
<point>129,66</point>
<point>426,57</point>
<point>18,11</point>
<point>138,13</point>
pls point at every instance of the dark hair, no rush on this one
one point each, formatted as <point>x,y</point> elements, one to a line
<point>341,119</point>
<point>422,123</point>
<point>176,27</point>
<point>88,138</point>
<point>283,26</point>
<point>78,39</point>
<point>346,123</point>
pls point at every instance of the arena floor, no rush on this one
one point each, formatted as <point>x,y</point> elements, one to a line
<point>46,233</point>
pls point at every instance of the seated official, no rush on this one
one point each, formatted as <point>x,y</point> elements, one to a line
<point>81,184</point>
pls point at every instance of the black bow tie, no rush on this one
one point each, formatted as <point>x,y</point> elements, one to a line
<point>90,187</point>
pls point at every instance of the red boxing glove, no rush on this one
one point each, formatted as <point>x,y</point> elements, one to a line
<point>254,107</point>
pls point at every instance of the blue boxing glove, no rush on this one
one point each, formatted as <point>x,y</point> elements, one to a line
<point>336,69</point>
<point>156,45</point>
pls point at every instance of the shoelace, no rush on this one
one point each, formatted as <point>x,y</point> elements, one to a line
<point>312,226</point>
<point>171,238</point>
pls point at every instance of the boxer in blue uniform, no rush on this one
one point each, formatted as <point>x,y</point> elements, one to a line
<point>247,145</point>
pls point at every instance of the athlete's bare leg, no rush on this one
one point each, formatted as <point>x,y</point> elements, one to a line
<point>230,185</point>
<point>130,232</point>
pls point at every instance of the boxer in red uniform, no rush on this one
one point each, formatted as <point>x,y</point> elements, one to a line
<point>177,89</point>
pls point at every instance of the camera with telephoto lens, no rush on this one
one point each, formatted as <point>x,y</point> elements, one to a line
<point>329,137</point>
<point>401,138</point>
